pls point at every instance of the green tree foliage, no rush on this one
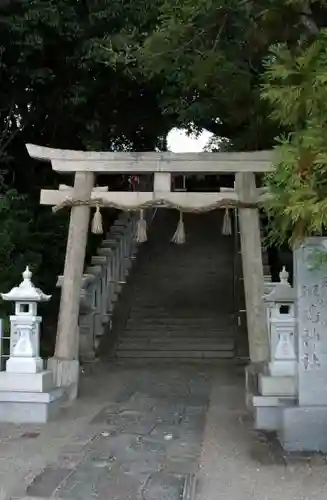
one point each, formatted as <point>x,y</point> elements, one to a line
<point>64,74</point>
<point>211,55</point>
<point>58,89</point>
<point>66,82</point>
<point>296,88</point>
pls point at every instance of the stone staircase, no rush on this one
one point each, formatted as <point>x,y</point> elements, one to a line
<point>179,299</point>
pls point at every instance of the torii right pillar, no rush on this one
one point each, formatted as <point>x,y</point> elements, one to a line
<point>249,223</point>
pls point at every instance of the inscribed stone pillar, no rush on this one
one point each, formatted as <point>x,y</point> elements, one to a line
<point>252,269</point>
<point>304,425</point>
<point>311,289</point>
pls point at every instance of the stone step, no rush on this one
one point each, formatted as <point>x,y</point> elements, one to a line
<point>170,326</point>
<point>192,311</point>
<point>179,313</point>
<point>177,332</point>
<point>162,275</point>
<point>206,275</point>
<point>166,322</point>
<point>220,316</point>
<point>178,344</point>
<point>182,313</point>
<point>185,335</point>
<point>172,303</point>
<point>179,341</point>
<point>174,345</point>
<point>143,319</point>
<point>185,355</point>
<point>180,299</point>
<point>157,291</point>
<point>180,331</point>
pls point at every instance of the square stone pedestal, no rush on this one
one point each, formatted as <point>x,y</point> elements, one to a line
<point>268,411</point>
<point>28,365</point>
<point>28,397</point>
<point>304,428</point>
<point>277,386</point>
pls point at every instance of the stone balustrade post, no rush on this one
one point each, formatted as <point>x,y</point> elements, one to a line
<point>104,292</point>
<point>100,293</point>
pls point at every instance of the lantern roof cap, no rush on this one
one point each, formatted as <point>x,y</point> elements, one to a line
<point>282,292</point>
<point>26,291</point>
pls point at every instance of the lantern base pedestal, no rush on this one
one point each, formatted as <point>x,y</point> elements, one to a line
<point>26,382</point>
<point>30,407</point>
<point>277,386</point>
<point>283,368</point>
<point>26,365</point>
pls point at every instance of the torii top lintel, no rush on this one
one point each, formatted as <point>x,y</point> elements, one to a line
<point>68,161</point>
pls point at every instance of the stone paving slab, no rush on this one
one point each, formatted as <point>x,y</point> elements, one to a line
<point>142,445</point>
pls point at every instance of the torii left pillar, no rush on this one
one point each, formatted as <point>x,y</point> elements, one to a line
<point>65,363</point>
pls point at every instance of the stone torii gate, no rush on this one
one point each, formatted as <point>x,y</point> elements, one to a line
<point>83,196</point>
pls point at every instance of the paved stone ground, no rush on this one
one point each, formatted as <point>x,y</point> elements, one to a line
<point>155,433</point>
<point>238,463</point>
<point>142,442</point>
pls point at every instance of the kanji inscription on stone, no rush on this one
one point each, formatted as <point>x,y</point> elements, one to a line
<point>311,291</point>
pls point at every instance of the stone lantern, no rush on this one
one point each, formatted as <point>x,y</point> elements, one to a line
<point>25,327</point>
<point>279,378</point>
<point>282,327</point>
<point>26,390</point>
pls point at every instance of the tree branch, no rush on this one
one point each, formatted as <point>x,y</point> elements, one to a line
<point>307,19</point>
